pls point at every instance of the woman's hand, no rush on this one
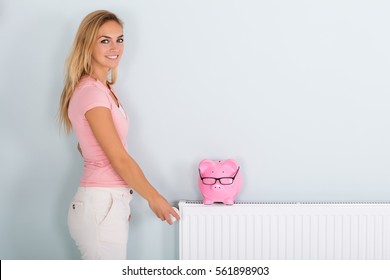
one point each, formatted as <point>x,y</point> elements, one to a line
<point>162,209</point>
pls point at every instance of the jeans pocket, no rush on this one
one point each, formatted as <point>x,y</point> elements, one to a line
<point>103,205</point>
<point>76,215</point>
<point>114,227</point>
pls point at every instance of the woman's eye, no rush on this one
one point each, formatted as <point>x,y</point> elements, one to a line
<point>105,41</point>
<point>121,40</point>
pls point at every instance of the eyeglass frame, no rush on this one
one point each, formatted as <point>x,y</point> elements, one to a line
<point>219,179</point>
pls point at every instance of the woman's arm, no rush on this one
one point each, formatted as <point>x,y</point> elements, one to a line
<point>103,128</point>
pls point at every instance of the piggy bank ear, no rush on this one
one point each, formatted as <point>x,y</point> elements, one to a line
<point>231,163</point>
<point>205,164</point>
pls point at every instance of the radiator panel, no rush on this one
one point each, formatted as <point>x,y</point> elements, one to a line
<point>285,231</point>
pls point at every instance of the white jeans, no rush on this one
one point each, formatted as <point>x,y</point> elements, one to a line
<point>98,220</point>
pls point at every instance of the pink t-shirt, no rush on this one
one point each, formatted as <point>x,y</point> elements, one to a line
<point>98,171</point>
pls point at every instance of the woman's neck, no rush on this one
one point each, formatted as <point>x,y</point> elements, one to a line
<point>101,76</point>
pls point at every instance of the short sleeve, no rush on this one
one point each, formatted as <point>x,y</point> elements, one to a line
<point>90,97</point>
<point>85,98</point>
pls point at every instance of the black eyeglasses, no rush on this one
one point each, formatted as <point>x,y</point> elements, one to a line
<point>222,180</point>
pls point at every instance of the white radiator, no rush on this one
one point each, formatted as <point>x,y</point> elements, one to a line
<point>285,231</point>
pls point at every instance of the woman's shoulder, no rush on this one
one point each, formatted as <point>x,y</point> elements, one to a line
<point>89,93</point>
<point>89,90</point>
<point>89,82</point>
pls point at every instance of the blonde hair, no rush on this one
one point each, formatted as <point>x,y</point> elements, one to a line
<point>78,63</point>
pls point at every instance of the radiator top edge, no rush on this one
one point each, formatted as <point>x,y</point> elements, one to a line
<point>199,202</point>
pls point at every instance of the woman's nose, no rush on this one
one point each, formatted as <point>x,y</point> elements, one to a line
<point>114,47</point>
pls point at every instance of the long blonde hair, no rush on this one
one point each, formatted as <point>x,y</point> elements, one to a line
<point>78,63</point>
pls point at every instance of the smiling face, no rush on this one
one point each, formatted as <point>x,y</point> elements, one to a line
<point>108,48</point>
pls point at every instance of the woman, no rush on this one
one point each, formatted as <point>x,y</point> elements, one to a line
<point>99,213</point>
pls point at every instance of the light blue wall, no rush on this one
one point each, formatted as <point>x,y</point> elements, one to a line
<point>296,91</point>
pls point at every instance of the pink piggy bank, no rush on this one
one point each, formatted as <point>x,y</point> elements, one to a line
<point>219,181</point>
